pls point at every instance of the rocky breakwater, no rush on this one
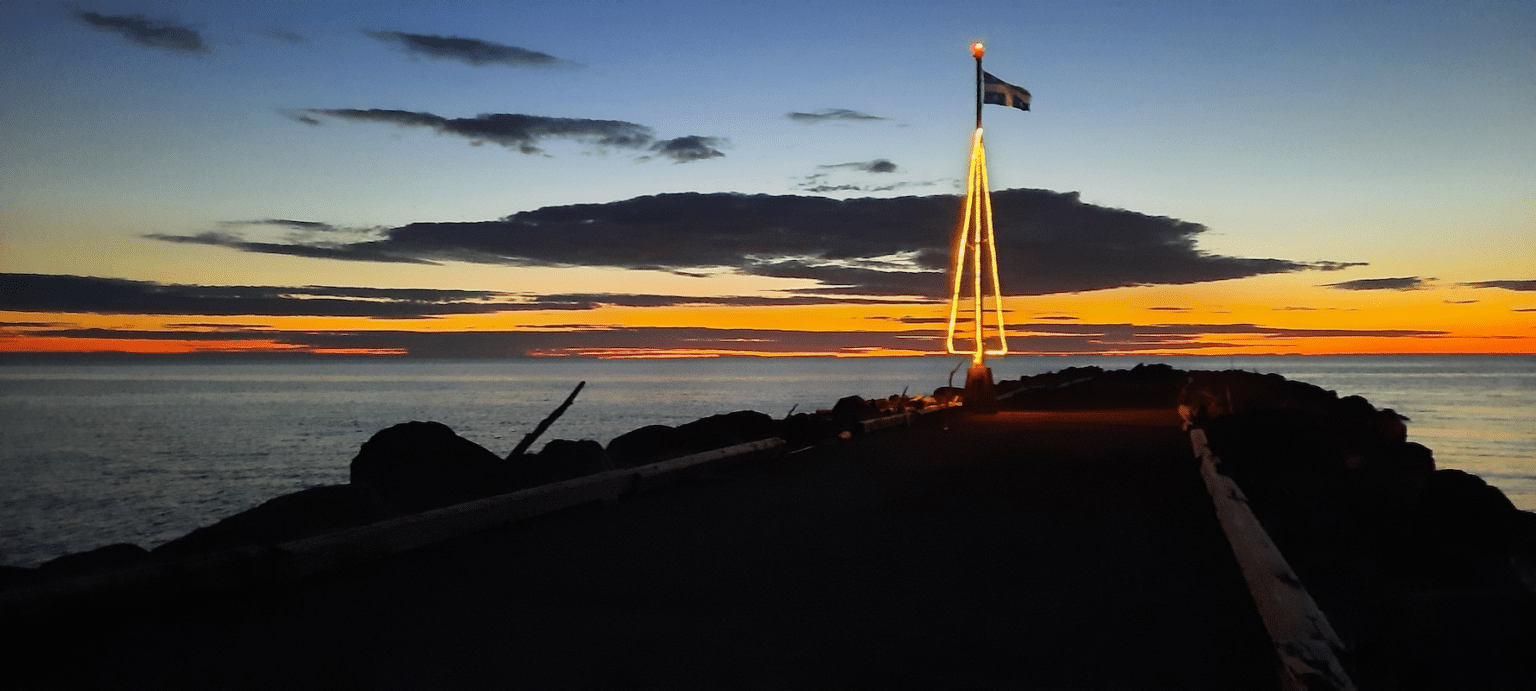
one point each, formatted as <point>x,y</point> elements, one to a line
<point>1427,574</point>
<point>414,467</point>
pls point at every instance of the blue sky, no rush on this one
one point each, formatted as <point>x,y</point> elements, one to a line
<point>1398,138</point>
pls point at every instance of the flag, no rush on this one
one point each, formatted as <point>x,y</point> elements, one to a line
<point>1002,93</point>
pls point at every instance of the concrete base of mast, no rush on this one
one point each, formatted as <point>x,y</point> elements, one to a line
<point>980,395</point>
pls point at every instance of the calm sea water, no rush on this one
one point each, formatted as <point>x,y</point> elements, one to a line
<point>96,454</point>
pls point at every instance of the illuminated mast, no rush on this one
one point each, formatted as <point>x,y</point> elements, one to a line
<point>975,249</point>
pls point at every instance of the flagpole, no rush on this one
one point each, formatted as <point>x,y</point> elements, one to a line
<point>978,50</point>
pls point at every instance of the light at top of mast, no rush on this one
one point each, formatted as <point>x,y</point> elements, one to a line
<point>978,50</point>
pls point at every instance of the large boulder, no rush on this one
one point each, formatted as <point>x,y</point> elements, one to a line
<point>647,444</point>
<point>560,459</point>
<point>729,429</point>
<point>415,466</point>
<point>854,409</point>
<point>654,443</point>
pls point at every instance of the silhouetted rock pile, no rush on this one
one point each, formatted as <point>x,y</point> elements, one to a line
<point>1426,574</point>
<point>418,466</point>
<point>1086,388</point>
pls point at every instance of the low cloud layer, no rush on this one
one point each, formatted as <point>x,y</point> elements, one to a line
<point>48,293</point>
<point>831,115</point>
<point>578,339</point>
<point>146,32</point>
<point>525,133</point>
<point>879,165</point>
<point>1506,285</point>
<point>1400,283</point>
<point>1048,242</point>
<point>853,177</point>
<point>468,50</point>
<point>85,294</point>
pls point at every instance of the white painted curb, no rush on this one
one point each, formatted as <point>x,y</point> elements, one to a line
<point>1304,641</point>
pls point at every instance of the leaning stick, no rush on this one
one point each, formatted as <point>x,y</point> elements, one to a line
<point>529,438</point>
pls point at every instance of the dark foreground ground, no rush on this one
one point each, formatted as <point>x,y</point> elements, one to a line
<point>1026,550</point>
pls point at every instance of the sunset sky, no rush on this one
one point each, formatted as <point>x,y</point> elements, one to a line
<point>473,178</point>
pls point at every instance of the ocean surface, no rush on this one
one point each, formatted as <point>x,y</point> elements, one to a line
<point>94,454</point>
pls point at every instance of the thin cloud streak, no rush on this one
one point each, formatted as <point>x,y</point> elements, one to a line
<point>150,33</point>
<point>468,50</point>
<point>879,165</point>
<point>524,133</point>
<point>1399,283</point>
<point>831,115</point>
<point>1526,285</point>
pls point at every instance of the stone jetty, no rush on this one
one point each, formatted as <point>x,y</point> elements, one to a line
<point>1071,540</point>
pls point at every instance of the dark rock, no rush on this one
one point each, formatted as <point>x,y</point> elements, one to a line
<point>119,556</point>
<point>302,514</point>
<point>729,429</point>
<point>854,409</point>
<point>807,429</point>
<point>415,466</point>
<point>648,444</point>
<point>1089,388</point>
<point>659,442</point>
<point>1396,472</point>
<point>1465,528</point>
<point>560,459</point>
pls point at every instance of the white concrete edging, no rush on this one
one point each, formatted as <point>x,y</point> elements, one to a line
<point>1307,647</point>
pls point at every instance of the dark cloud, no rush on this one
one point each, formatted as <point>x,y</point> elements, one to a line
<point>689,148</point>
<point>84,294</point>
<point>1127,332</point>
<point>1049,242</point>
<point>468,50</point>
<point>821,183</point>
<point>311,250</point>
<point>146,32</point>
<point>301,116</point>
<point>88,295</point>
<point>311,226</point>
<point>830,114</point>
<point>524,133</point>
<point>1506,285</point>
<point>878,165</point>
<point>1400,283</point>
<point>591,300</point>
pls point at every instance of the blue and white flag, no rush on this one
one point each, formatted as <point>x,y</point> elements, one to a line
<point>1002,93</point>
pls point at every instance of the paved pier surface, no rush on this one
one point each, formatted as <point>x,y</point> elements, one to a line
<point>1022,550</point>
